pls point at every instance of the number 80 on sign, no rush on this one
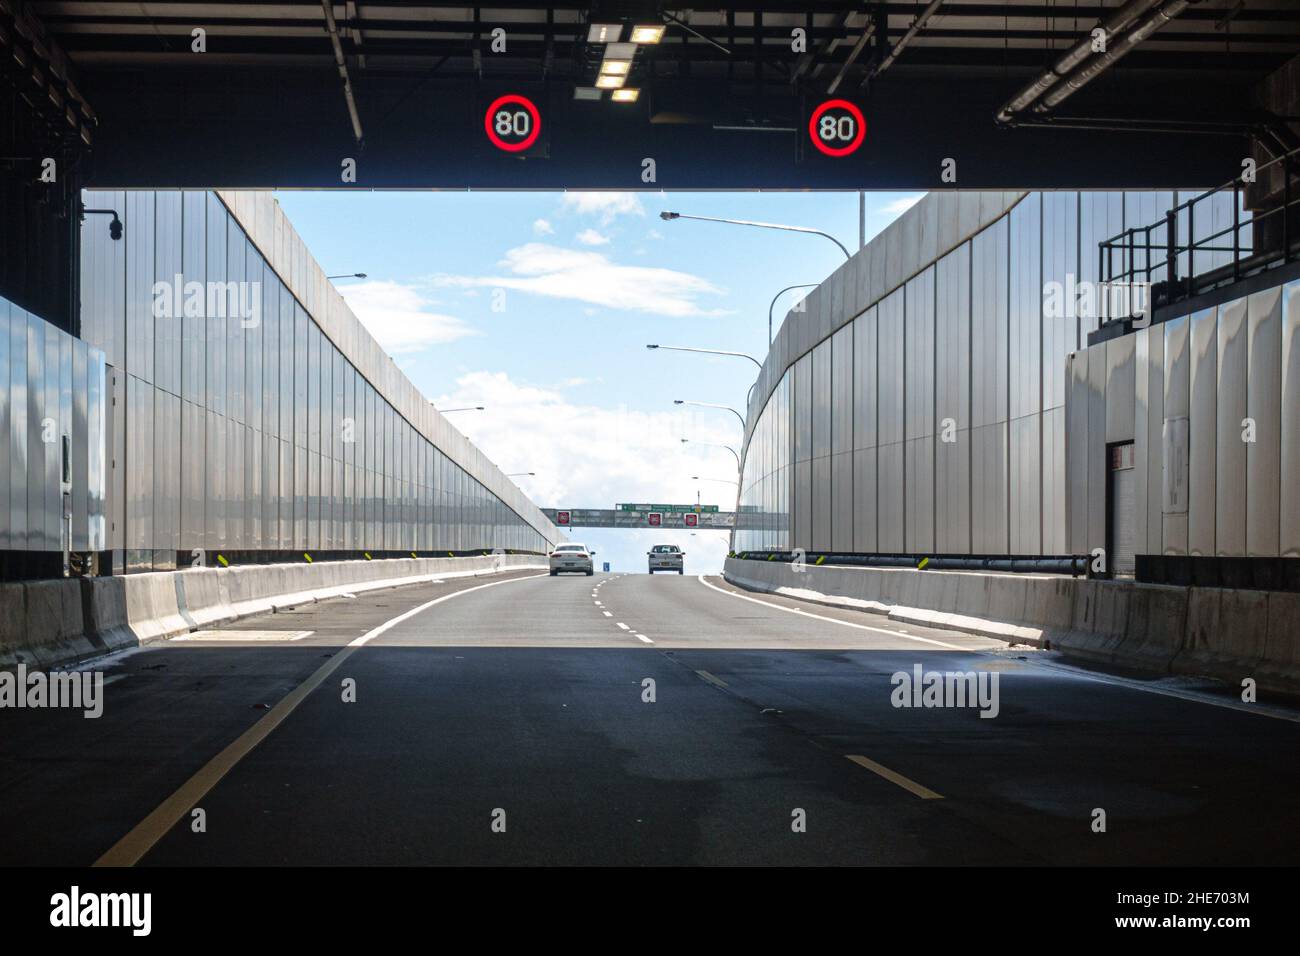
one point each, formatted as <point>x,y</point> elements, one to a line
<point>837,128</point>
<point>512,123</point>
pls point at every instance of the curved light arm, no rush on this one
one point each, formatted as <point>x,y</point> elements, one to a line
<point>668,216</point>
<point>727,408</point>
<point>810,285</point>
<point>710,444</point>
<point>683,348</point>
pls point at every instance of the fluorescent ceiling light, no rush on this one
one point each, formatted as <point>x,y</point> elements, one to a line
<point>647,34</point>
<point>626,95</point>
<point>616,67</point>
<point>607,82</point>
<point>620,51</point>
<point>604,32</point>
<point>586,93</point>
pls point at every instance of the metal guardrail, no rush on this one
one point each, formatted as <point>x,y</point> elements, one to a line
<point>1246,259</point>
<point>1074,565</point>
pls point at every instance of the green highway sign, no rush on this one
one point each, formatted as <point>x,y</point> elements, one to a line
<point>671,509</point>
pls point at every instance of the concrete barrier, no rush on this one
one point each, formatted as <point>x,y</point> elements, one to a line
<point>1211,632</point>
<point>46,623</point>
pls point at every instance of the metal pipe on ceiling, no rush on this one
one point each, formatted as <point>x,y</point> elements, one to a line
<point>1114,24</point>
<point>332,28</point>
<point>1093,68</point>
<point>912,31</point>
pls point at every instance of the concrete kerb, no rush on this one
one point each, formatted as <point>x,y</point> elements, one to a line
<point>1219,633</point>
<point>48,623</point>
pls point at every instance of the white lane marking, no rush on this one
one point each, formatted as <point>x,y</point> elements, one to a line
<point>597,603</point>
<point>822,617</point>
<point>607,613</point>
<point>142,838</point>
<point>370,635</point>
<point>1195,697</point>
<point>1190,696</point>
<point>622,625</point>
<point>642,637</point>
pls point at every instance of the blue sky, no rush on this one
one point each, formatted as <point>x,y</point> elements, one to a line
<point>539,306</point>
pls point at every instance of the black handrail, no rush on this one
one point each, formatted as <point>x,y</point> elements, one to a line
<point>1243,255</point>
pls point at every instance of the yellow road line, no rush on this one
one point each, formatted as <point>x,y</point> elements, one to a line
<point>715,681</point>
<point>145,835</point>
<point>896,778</point>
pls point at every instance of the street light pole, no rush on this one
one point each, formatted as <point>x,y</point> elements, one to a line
<point>740,417</point>
<point>464,408</point>
<point>350,275</point>
<point>683,348</point>
<point>810,285</point>
<point>669,216</point>
<point>735,454</point>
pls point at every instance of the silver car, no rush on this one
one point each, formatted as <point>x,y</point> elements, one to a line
<point>572,557</point>
<point>666,557</point>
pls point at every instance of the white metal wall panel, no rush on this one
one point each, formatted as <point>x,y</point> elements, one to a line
<point>1289,510</point>
<point>6,466</point>
<point>34,481</point>
<point>952,384</point>
<point>1120,383</point>
<point>1025,309</point>
<point>989,344</point>
<point>1025,515</point>
<point>1174,517</point>
<point>1095,459</point>
<point>168,264</point>
<point>821,504</point>
<point>167,471</point>
<point>989,520</point>
<point>1202,429</point>
<point>1231,487</point>
<point>891,500</point>
<point>1264,409</point>
<point>1061,266</point>
<point>1076,452</point>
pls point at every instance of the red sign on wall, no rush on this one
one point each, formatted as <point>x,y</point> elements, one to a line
<point>837,128</point>
<point>655,519</point>
<point>512,123</point>
<point>692,520</point>
<point>562,517</point>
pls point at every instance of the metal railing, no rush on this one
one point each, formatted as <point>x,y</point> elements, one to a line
<point>1163,276</point>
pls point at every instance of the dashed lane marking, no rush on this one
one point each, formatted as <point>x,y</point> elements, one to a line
<point>925,793</point>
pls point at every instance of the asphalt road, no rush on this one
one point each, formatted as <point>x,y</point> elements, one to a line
<point>507,721</point>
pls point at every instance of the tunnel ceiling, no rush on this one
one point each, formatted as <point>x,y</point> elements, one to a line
<point>725,96</point>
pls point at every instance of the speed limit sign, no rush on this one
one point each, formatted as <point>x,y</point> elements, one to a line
<point>837,128</point>
<point>512,123</point>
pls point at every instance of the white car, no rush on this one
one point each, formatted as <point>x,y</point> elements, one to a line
<point>666,557</point>
<point>572,557</point>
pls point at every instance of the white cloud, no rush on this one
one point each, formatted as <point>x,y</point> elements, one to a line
<point>590,237</point>
<point>899,206</point>
<point>399,316</point>
<point>592,456</point>
<point>608,205</point>
<point>543,228</point>
<point>591,277</point>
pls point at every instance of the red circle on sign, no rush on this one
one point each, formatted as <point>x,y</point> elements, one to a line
<point>837,150</point>
<point>528,106</point>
